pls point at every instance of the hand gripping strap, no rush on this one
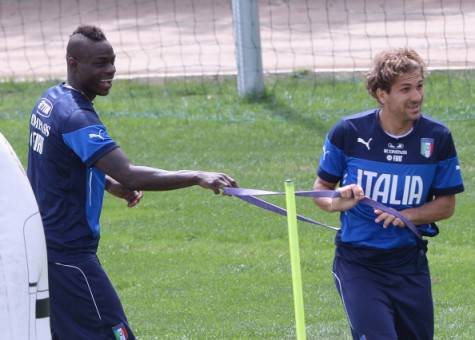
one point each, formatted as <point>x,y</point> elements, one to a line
<point>248,195</point>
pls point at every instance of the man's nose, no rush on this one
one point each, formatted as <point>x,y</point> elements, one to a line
<point>111,69</point>
<point>416,95</point>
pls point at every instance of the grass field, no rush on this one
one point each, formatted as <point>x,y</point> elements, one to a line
<point>191,265</point>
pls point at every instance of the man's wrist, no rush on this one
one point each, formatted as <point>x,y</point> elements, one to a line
<point>196,177</point>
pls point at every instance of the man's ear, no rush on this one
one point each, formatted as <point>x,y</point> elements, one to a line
<point>381,95</point>
<point>72,62</point>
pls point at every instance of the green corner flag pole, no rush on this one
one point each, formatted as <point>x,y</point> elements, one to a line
<point>295,259</point>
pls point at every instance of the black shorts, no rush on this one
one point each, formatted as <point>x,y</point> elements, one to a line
<point>84,304</point>
<point>385,304</point>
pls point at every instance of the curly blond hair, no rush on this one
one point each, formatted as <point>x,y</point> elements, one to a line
<point>390,64</point>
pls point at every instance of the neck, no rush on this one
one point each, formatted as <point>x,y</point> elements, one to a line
<point>73,86</point>
<point>393,126</point>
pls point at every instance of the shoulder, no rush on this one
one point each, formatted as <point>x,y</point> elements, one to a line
<point>79,119</point>
<point>59,102</point>
<point>436,136</point>
<point>352,124</point>
<point>67,109</point>
<point>436,127</point>
<point>433,130</point>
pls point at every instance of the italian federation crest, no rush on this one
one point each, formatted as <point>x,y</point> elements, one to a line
<point>427,147</point>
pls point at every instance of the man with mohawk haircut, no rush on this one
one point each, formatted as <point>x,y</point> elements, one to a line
<point>72,160</point>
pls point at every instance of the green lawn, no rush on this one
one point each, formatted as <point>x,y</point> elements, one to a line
<point>191,265</point>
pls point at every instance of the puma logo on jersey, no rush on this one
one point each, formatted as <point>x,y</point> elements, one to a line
<point>96,135</point>
<point>362,141</point>
<point>325,152</point>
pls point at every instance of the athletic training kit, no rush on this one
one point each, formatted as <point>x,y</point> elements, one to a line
<point>382,274</point>
<point>66,139</point>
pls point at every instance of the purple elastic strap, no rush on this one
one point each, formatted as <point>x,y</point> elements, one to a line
<point>248,195</point>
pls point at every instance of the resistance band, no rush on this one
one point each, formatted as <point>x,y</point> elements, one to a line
<point>249,195</point>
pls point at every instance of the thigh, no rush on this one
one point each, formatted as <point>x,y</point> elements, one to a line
<point>84,304</point>
<point>367,305</point>
<point>414,307</point>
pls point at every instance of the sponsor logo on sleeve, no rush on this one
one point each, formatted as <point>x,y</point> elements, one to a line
<point>44,107</point>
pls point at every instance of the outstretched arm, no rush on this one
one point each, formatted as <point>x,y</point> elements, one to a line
<point>133,177</point>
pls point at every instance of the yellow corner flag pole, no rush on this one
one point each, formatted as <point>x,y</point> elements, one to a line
<point>295,259</point>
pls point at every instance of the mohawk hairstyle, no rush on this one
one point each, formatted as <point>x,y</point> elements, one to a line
<point>91,32</point>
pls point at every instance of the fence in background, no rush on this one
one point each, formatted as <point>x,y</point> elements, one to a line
<point>189,40</point>
<point>185,38</point>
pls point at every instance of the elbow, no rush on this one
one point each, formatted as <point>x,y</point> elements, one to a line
<point>449,211</point>
<point>127,178</point>
<point>448,207</point>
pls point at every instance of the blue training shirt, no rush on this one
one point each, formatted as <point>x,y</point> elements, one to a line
<point>398,172</point>
<point>66,138</point>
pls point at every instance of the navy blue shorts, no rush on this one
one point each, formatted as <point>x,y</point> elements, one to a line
<point>383,304</point>
<point>84,304</point>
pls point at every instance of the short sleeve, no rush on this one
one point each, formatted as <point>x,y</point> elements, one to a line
<point>85,134</point>
<point>448,176</point>
<point>333,161</point>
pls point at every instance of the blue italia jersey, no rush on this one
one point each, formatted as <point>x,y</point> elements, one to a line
<point>66,138</point>
<point>400,172</point>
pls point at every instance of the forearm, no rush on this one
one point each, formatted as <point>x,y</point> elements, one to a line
<point>151,179</point>
<point>116,165</point>
<point>324,203</point>
<point>349,196</point>
<point>440,208</point>
<point>109,183</point>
